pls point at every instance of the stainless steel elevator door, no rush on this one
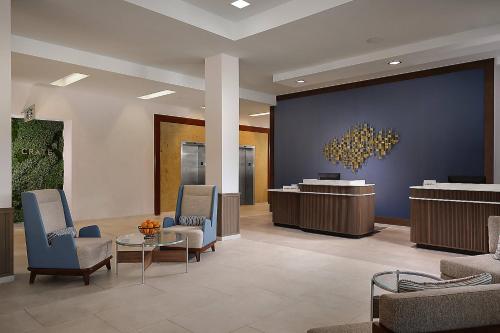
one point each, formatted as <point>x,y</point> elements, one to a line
<point>247,176</point>
<point>192,163</point>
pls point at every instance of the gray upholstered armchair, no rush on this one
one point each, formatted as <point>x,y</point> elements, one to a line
<point>453,268</point>
<point>46,212</point>
<point>196,200</point>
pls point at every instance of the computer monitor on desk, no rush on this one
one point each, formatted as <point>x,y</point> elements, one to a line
<point>329,176</point>
<point>467,179</point>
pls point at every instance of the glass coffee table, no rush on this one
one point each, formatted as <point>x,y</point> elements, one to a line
<point>389,281</point>
<point>152,249</point>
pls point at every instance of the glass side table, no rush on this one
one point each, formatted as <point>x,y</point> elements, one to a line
<point>389,281</point>
<point>150,248</point>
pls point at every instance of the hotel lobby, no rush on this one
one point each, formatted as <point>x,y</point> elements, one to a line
<point>252,166</point>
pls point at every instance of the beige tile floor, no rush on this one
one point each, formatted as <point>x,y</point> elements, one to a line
<point>271,280</point>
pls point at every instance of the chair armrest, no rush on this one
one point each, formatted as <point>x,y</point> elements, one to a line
<point>168,222</point>
<point>208,222</point>
<point>91,231</point>
<point>493,232</point>
<point>63,243</point>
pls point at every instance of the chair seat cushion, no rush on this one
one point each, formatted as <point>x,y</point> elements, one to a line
<point>194,234</point>
<point>467,266</point>
<point>348,328</point>
<point>91,251</point>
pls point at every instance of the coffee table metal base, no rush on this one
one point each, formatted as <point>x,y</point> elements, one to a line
<point>156,255</point>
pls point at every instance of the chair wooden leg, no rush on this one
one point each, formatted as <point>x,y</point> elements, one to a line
<point>86,279</point>
<point>213,247</point>
<point>198,254</point>
<point>32,277</point>
<point>108,265</point>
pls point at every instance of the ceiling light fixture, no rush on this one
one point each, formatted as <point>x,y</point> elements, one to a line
<point>259,114</point>
<point>203,107</point>
<point>67,80</point>
<point>301,81</point>
<point>394,62</point>
<point>240,4</point>
<point>157,94</point>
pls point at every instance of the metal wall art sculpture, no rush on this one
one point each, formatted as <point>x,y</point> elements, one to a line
<point>358,144</point>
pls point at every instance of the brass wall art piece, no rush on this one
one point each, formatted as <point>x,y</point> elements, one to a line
<point>358,144</point>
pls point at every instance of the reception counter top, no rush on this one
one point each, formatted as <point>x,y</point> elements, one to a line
<point>453,216</point>
<point>346,210</point>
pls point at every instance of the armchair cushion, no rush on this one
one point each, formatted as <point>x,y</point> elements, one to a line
<point>59,232</point>
<point>192,220</point>
<point>91,251</point>
<point>51,210</point>
<point>197,200</point>
<point>475,280</point>
<point>195,234</point>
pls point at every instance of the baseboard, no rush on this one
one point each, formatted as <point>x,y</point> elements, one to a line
<point>7,279</point>
<point>392,221</point>
<point>230,237</point>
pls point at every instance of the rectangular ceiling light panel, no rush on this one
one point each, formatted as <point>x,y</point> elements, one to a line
<point>157,94</point>
<point>67,80</point>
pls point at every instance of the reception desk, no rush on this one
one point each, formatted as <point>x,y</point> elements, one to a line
<point>453,216</point>
<point>335,207</point>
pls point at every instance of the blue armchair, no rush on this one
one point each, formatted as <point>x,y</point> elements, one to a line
<point>196,200</point>
<point>47,211</point>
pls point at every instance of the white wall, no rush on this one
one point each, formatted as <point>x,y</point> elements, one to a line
<point>111,146</point>
<point>5,105</point>
<point>496,169</point>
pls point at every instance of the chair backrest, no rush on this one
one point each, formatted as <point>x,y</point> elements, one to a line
<point>493,232</point>
<point>196,200</point>
<point>51,209</point>
<point>441,309</point>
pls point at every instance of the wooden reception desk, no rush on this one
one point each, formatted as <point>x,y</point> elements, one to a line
<point>339,209</point>
<point>453,216</point>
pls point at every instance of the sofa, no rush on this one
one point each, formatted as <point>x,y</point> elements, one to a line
<point>459,267</point>
<point>461,309</point>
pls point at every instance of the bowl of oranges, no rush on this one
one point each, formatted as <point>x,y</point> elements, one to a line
<point>149,228</point>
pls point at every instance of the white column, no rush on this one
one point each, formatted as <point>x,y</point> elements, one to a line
<point>5,106</point>
<point>222,122</point>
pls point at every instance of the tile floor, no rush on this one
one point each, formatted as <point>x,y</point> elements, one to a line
<point>271,280</point>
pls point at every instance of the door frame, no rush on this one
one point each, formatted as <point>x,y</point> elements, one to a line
<point>159,118</point>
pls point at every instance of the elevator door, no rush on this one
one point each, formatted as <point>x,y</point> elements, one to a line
<point>247,169</point>
<point>192,163</point>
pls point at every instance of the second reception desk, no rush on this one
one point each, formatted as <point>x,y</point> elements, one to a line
<point>338,210</point>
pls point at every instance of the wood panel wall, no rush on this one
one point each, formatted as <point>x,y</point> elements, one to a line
<point>6,242</point>
<point>228,214</point>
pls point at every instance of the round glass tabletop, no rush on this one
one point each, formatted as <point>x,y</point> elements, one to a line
<point>389,280</point>
<point>163,238</point>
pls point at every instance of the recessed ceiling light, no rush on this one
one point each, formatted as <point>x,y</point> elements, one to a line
<point>67,80</point>
<point>157,94</point>
<point>301,81</point>
<point>240,4</point>
<point>203,107</point>
<point>259,114</point>
<point>394,62</point>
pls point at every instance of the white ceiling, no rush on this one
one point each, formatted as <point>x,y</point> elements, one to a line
<point>223,9</point>
<point>339,41</point>
<point>38,71</point>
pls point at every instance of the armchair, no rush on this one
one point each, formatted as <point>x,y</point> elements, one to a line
<point>46,211</point>
<point>453,268</point>
<point>196,200</point>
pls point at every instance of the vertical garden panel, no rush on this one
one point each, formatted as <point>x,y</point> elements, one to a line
<point>37,158</point>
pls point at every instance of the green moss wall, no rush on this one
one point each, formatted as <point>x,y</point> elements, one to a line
<point>37,158</point>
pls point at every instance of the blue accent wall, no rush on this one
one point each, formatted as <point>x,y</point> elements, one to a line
<point>439,119</point>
